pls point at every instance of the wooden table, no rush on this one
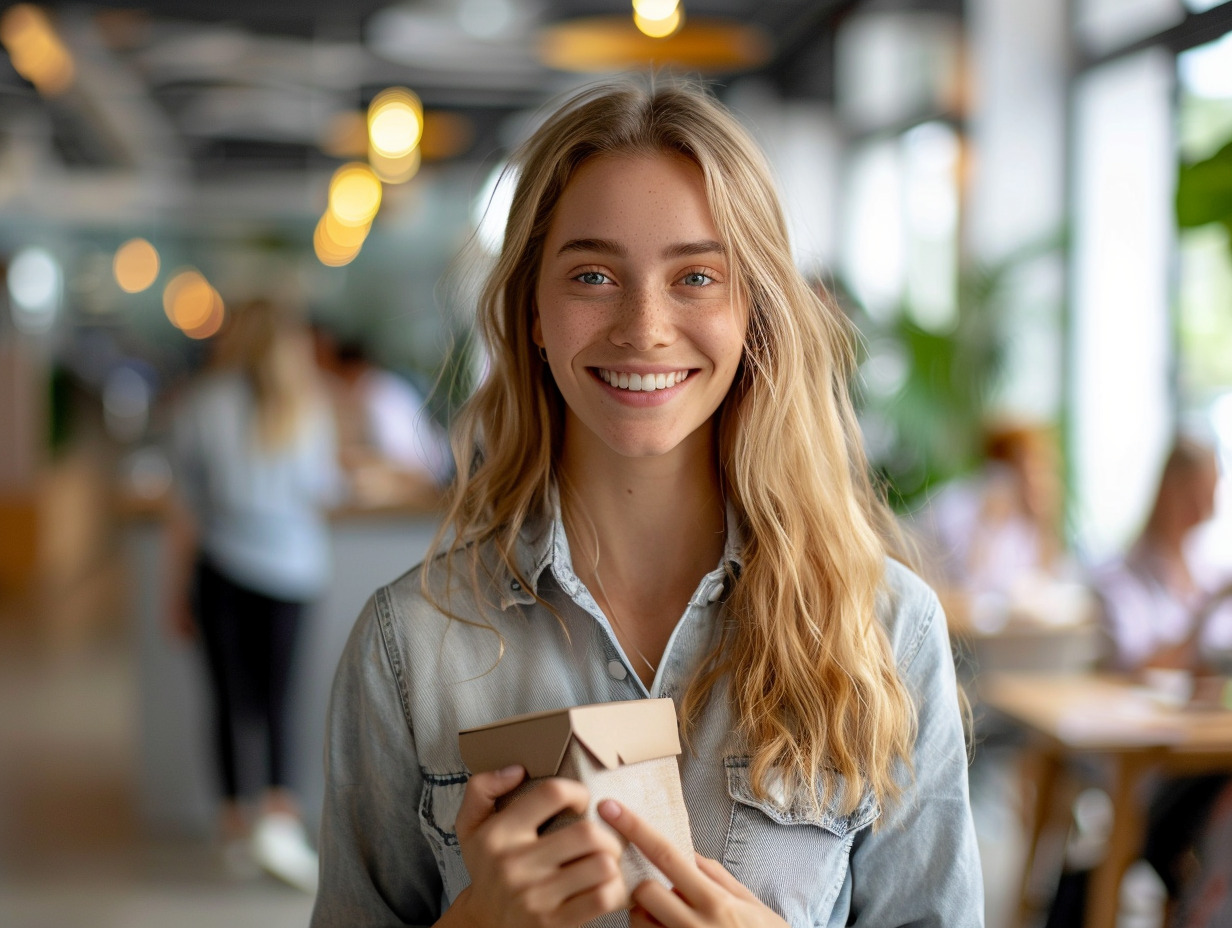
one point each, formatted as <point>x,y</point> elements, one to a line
<point>1084,715</point>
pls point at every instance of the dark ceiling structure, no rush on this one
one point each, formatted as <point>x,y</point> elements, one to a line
<point>244,98</point>
<point>236,85</point>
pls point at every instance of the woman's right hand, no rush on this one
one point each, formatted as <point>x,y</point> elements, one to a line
<point>520,878</point>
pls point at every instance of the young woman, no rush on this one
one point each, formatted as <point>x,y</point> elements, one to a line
<point>256,466</point>
<point>662,492</point>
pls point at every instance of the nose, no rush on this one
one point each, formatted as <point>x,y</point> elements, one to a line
<point>643,320</point>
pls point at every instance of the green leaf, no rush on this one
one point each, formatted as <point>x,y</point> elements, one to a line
<point>1204,190</point>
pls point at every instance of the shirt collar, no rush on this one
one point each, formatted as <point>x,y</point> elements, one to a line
<point>545,544</point>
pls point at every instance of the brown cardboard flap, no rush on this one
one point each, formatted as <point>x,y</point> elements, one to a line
<point>537,742</point>
<point>627,732</point>
<point>614,733</point>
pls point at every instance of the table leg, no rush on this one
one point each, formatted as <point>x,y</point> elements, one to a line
<point>1041,768</point>
<point>1124,844</point>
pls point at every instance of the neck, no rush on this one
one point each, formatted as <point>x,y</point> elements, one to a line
<point>643,532</point>
<point>644,516</point>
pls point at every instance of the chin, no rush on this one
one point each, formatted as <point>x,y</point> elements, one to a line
<point>628,446</point>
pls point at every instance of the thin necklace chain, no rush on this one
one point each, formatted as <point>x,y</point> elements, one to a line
<point>610,612</point>
<point>616,624</point>
<point>620,628</point>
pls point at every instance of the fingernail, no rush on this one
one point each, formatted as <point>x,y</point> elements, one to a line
<point>609,808</point>
<point>511,770</point>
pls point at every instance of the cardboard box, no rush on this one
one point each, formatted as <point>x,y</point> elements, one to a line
<point>620,750</point>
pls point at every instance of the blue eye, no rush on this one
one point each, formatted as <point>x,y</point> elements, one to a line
<point>697,279</point>
<point>594,278</point>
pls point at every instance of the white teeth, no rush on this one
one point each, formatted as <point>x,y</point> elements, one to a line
<point>643,383</point>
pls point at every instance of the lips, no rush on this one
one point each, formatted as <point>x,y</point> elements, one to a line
<point>641,383</point>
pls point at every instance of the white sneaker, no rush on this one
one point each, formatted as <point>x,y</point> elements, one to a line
<point>281,847</point>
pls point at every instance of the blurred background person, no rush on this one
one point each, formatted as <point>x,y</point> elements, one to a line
<point>391,447</point>
<point>1160,602</point>
<point>994,538</point>
<point>1165,613</point>
<point>255,460</point>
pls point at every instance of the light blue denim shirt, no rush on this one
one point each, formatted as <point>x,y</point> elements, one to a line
<point>411,678</point>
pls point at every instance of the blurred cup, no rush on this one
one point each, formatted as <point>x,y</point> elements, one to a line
<point>1171,686</point>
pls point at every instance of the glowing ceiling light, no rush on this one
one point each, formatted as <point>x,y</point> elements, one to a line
<point>330,251</point>
<point>659,28</point>
<point>655,9</point>
<point>189,301</point>
<point>600,44</point>
<point>395,170</point>
<point>135,265</point>
<point>212,322</point>
<point>395,122</point>
<point>37,53</point>
<point>342,235</point>
<point>355,194</point>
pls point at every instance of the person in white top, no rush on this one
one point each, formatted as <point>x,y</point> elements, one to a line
<point>1161,606</point>
<point>391,446</point>
<point>256,473</point>
<point>396,417</point>
<point>993,539</point>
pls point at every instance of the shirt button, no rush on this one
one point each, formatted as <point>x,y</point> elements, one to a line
<point>616,670</point>
<point>715,592</point>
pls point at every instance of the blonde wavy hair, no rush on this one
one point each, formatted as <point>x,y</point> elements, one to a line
<point>811,674</point>
<point>271,347</point>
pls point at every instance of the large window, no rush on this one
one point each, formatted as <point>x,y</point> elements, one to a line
<point>1204,278</point>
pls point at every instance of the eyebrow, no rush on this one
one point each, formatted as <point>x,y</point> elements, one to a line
<point>609,247</point>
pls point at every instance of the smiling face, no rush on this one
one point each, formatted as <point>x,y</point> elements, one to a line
<point>637,309</point>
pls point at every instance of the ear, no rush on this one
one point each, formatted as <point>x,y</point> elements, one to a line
<point>536,330</point>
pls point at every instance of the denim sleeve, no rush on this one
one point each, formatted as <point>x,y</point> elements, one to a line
<point>921,866</point>
<point>376,866</point>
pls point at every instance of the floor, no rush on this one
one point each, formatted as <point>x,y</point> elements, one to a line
<point>72,851</point>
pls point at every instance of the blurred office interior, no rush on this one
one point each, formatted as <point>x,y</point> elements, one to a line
<point>1024,206</point>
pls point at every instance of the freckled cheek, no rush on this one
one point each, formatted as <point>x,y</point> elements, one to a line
<point>568,330</point>
<point>722,341</point>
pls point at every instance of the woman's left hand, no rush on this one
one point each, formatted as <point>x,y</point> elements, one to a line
<point>704,895</point>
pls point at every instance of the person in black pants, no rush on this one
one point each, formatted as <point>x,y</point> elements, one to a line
<point>256,466</point>
<point>249,640</point>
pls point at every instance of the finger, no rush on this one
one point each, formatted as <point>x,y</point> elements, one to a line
<point>640,918</point>
<point>672,863</point>
<point>540,861</point>
<point>578,840</point>
<point>717,872</point>
<point>479,800</point>
<point>665,906</point>
<point>578,878</point>
<point>548,799</point>
<point>609,896</point>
